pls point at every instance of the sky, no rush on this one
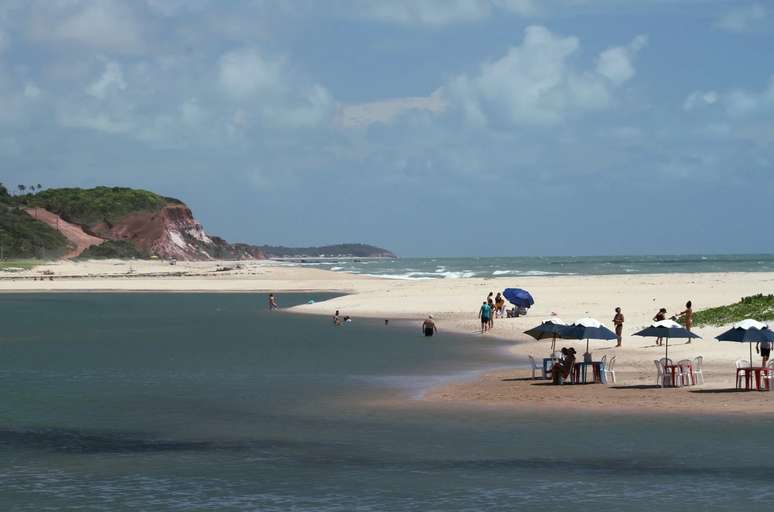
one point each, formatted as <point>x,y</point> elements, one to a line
<point>428,127</point>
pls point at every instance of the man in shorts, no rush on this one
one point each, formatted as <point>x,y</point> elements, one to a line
<point>428,326</point>
<point>764,349</point>
<point>485,314</point>
<point>618,321</point>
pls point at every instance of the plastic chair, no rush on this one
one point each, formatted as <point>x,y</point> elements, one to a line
<point>698,375</point>
<point>660,374</point>
<point>609,370</point>
<point>741,364</point>
<point>534,367</point>
<point>767,376</point>
<point>686,372</point>
<point>667,375</point>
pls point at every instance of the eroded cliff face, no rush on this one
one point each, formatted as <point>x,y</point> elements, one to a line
<point>171,232</point>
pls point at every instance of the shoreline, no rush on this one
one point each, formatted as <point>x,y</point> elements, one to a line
<point>454,304</point>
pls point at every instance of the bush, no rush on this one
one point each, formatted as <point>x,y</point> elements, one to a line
<point>113,249</point>
<point>760,307</point>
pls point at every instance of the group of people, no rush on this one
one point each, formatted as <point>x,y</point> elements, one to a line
<point>686,315</point>
<point>493,306</point>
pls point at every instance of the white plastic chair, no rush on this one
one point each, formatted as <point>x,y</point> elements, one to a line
<point>767,377</point>
<point>740,376</point>
<point>686,379</point>
<point>610,370</point>
<point>667,375</point>
<point>698,361</point>
<point>660,374</point>
<point>534,366</point>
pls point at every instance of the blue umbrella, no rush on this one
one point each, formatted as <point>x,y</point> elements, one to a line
<point>586,329</point>
<point>748,331</point>
<point>518,297</point>
<point>553,328</point>
<point>666,329</point>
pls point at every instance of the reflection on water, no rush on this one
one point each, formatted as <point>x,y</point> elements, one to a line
<point>197,402</point>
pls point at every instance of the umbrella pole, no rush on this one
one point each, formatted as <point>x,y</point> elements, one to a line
<point>587,345</point>
<point>666,355</point>
<point>553,346</point>
<point>751,363</point>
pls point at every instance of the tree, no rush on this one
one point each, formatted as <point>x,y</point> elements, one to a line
<point>40,187</point>
<point>21,188</point>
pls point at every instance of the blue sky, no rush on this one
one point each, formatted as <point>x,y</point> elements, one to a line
<point>430,127</point>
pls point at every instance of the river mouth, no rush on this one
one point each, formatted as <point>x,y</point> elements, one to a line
<point>209,401</point>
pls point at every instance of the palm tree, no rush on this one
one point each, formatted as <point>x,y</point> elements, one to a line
<point>21,188</point>
<point>40,187</point>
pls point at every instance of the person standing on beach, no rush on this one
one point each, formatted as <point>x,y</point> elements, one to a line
<point>428,326</point>
<point>661,315</point>
<point>484,313</point>
<point>491,303</point>
<point>764,349</point>
<point>273,302</point>
<point>687,317</point>
<point>618,321</point>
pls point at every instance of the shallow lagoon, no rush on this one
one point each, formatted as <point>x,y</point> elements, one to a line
<point>208,402</point>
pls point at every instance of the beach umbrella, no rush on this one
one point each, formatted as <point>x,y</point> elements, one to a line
<point>666,329</point>
<point>518,297</point>
<point>551,328</point>
<point>748,331</point>
<point>588,329</point>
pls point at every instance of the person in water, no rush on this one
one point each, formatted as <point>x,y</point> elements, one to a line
<point>687,316</point>
<point>337,318</point>
<point>273,302</point>
<point>618,321</point>
<point>428,326</point>
<point>484,314</point>
<point>661,315</point>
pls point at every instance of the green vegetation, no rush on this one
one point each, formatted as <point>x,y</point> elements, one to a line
<point>113,249</point>
<point>21,236</point>
<point>88,207</point>
<point>760,307</point>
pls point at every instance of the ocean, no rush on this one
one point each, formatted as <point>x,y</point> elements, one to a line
<point>191,402</point>
<point>451,268</point>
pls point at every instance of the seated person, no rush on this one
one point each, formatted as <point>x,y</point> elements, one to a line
<point>562,368</point>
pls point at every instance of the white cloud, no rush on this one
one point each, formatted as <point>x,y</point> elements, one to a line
<point>743,19</point>
<point>536,83</point>
<point>111,79</point>
<point>617,63</point>
<point>31,91</point>
<point>735,103</point>
<point>424,12</point>
<point>246,72</point>
<point>385,111</point>
<point>699,99</point>
<point>105,25</point>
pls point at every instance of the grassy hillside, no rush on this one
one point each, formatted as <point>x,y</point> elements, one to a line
<point>760,307</point>
<point>113,249</point>
<point>21,236</point>
<point>92,206</point>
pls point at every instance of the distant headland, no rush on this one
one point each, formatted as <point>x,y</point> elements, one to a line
<point>118,222</point>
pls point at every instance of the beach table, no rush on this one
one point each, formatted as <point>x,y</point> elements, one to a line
<point>580,372</point>
<point>673,370</point>
<point>755,373</point>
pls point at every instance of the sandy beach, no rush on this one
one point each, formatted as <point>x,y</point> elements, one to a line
<point>454,304</point>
